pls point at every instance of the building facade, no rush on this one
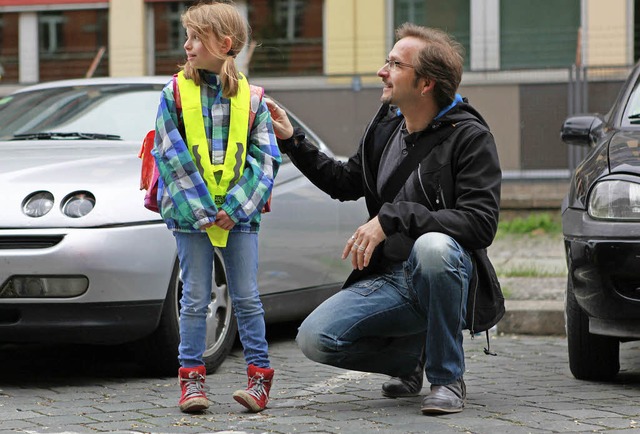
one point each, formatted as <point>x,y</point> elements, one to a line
<point>49,39</point>
<point>518,55</point>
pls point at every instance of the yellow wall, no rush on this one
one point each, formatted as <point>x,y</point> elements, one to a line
<point>606,33</point>
<point>355,36</point>
<point>127,54</point>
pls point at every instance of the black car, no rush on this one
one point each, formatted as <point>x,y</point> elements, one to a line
<point>601,227</point>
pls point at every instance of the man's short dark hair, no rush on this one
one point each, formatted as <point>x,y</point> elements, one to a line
<point>440,60</point>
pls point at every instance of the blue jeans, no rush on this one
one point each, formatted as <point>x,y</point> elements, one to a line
<point>240,256</point>
<point>383,323</point>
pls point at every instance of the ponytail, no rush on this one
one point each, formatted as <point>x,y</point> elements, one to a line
<point>229,77</point>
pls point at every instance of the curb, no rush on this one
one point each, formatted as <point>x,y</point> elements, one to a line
<point>533,317</point>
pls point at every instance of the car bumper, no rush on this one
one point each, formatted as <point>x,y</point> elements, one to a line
<point>603,260</point>
<point>128,270</point>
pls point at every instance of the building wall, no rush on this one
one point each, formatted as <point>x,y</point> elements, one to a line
<point>339,116</point>
<point>355,36</point>
<point>127,48</point>
<point>524,117</point>
<point>500,106</point>
<point>607,40</point>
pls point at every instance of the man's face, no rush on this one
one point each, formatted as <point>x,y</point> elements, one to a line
<point>400,87</point>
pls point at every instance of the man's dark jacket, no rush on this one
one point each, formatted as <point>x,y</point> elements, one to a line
<point>455,190</point>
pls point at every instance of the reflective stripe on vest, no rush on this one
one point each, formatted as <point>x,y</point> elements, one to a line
<point>218,177</point>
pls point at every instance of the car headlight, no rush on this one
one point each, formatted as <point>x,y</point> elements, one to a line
<point>37,204</point>
<point>615,200</point>
<point>78,204</point>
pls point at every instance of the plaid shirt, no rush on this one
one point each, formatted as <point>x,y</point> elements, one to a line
<point>184,200</point>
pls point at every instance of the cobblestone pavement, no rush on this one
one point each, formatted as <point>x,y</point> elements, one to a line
<point>526,388</point>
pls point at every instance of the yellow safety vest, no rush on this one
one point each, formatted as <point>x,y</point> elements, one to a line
<point>218,177</point>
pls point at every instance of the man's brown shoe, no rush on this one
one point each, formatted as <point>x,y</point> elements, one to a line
<point>406,385</point>
<point>445,399</point>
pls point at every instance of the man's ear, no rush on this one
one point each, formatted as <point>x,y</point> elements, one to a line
<point>427,85</point>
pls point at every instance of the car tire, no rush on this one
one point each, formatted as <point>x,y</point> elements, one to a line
<point>591,357</point>
<point>160,349</point>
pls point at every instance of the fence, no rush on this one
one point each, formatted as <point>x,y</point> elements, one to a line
<point>580,91</point>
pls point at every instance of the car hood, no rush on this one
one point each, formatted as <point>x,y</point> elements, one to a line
<point>110,170</point>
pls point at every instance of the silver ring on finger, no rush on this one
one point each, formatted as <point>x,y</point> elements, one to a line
<point>361,248</point>
<point>357,246</point>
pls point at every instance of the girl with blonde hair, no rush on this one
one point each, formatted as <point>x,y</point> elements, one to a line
<point>216,175</point>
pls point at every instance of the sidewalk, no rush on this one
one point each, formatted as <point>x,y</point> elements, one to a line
<point>534,305</point>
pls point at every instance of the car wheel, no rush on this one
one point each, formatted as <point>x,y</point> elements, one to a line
<point>591,357</point>
<point>161,348</point>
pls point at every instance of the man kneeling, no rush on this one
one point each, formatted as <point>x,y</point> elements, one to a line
<point>429,171</point>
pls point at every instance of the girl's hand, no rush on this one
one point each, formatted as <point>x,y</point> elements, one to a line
<point>281,124</point>
<point>224,221</point>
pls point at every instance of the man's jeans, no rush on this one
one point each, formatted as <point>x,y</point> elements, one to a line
<point>383,323</point>
<point>196,262</point>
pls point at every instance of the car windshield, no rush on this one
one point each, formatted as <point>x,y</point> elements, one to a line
<point>108,111</point>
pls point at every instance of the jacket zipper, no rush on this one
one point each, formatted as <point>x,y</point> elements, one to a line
<point>473,307</point>
<point>422,187</point>
<point>440,196</point>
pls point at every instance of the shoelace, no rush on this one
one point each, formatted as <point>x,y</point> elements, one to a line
<point>195,384</point>
<point>257,388</point>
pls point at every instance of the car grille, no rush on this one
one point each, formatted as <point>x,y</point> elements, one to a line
<point>29,241</point>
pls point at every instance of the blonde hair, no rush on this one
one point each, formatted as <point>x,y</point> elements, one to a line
<point>216,21</point>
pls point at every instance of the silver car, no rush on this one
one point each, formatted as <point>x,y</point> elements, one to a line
<point>82,260</point>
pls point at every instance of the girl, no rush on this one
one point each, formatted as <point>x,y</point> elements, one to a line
<point>216,174</point>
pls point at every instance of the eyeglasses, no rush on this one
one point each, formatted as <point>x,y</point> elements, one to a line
<point>391,65</point>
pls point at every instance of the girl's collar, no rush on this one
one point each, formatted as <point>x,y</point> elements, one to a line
<point>209,77</point>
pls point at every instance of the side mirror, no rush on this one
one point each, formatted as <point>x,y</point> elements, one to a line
<point>581,130</point>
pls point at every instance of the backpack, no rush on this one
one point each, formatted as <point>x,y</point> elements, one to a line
<point>485,301</point>
<point>149,171</point>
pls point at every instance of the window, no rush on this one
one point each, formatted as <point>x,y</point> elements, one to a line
<point>287,36</point>
<point>70,41</point>
<point>50,29</point>
<point>538,34</point>
<point>452,16</point>
<point>9,47</point>
<point>288,18</point>
<point>169,35</point>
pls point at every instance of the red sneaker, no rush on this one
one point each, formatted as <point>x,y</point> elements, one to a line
<point>256,396</point>
<point>193,398</point>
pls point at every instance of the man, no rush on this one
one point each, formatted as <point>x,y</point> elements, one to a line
<point>402,310</point>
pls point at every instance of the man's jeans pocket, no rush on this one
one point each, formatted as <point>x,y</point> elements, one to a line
<point>367,287</point>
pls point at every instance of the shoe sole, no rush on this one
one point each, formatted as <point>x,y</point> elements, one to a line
<point>395,395</point>
<point>245,400</point>
<point>194,405</point>
<point>439,410</point>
